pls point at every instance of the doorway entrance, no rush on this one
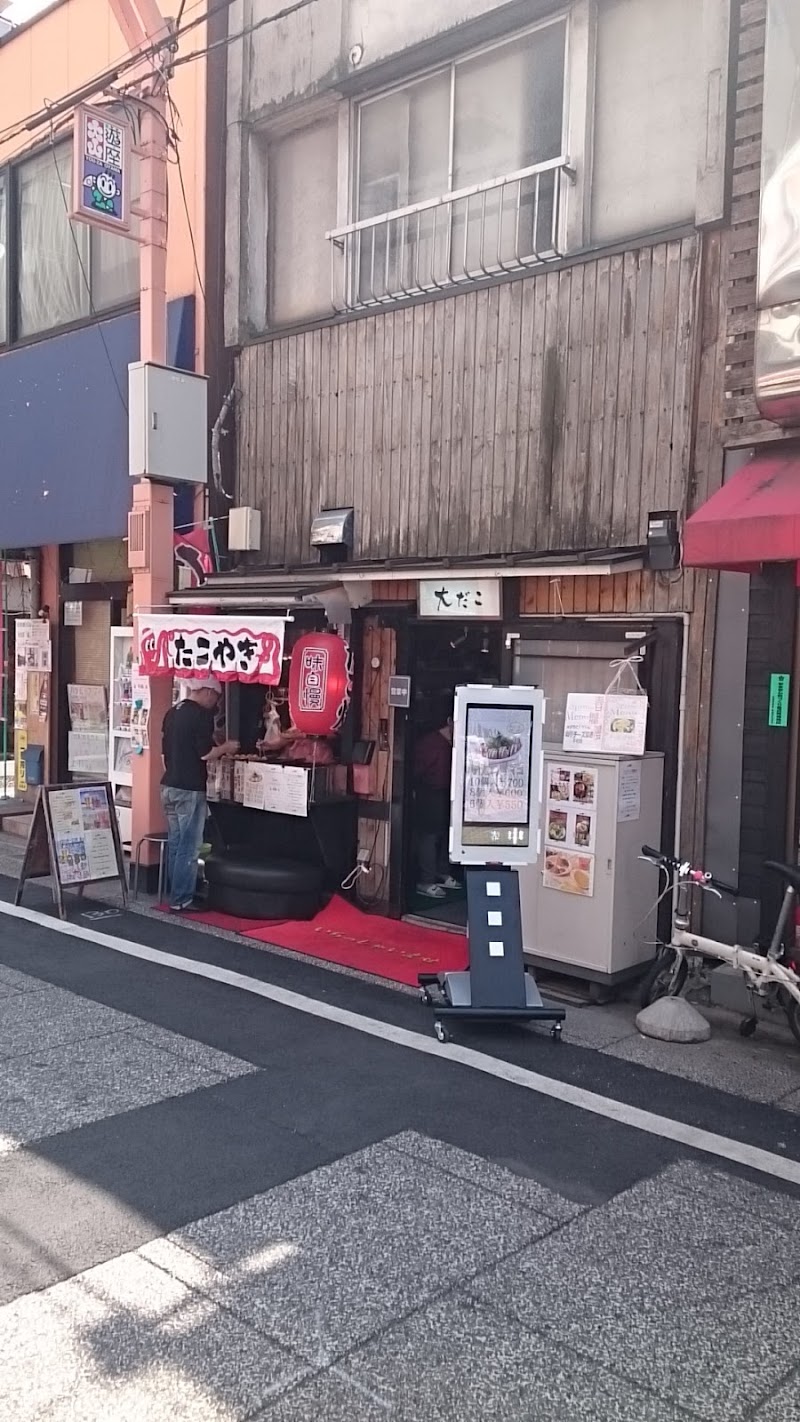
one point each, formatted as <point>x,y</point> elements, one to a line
<point>444,655</point>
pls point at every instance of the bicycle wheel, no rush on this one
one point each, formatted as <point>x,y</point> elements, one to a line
<point>664,979</point>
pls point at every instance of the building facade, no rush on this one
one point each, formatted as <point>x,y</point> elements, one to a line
<point>488,276</point>
<point>69,327</point>
<point>749,530</point>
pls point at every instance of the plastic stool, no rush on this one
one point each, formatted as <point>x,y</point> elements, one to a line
<point>159,838</point>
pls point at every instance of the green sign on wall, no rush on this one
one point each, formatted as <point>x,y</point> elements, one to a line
<point>779,699</point>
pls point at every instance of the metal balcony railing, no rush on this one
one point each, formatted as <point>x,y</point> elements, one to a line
<point>503,225</point>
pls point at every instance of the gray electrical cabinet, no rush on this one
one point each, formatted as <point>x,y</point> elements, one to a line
<point>167,424</point>
<point>589,904</point>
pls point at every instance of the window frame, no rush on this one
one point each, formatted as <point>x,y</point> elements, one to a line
<point>579,21</point>
<point>450,66</point>
<point>9,297</point>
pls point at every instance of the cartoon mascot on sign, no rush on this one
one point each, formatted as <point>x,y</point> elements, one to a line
<point>103,190</point>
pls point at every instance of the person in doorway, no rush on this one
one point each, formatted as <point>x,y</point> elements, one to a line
<point>187,748</point>
<point>432,760</point>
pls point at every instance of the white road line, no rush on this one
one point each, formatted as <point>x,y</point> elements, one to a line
<point>739,1152</point>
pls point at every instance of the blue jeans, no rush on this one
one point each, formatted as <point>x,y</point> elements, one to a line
<point>185,812</point>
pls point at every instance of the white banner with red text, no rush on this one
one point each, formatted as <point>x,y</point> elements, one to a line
<point>233,648</point>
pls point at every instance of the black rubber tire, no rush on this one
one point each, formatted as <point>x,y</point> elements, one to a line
<point>656,981</point>
<point>268,876</point>
<point>793,1013</point>
<point>226,898</point>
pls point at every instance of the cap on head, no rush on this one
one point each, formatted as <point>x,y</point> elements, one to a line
<point>204,683</point>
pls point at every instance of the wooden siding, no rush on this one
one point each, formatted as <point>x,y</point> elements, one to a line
<point>548,413</point>
<point>374,833</point>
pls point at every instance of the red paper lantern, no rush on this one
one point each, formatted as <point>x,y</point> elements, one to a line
<point>320,682</point>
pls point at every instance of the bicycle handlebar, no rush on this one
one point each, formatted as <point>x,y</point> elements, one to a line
<point>684,870</point>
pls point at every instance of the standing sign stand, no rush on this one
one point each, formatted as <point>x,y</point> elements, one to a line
<point>495,795</point>
<point>73,839</point>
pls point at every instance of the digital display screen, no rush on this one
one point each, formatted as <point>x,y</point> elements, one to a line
<point>497,776</point>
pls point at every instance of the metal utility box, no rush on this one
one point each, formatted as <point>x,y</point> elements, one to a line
<point>167,424</point>
<point>589,905</point>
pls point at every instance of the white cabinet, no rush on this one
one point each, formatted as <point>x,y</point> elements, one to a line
<point>120,745</point>
<point>589,904</point>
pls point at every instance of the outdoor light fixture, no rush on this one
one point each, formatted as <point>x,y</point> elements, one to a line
<point>663,543</point>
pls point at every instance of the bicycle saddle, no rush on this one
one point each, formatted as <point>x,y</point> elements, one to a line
<point>789,872</point>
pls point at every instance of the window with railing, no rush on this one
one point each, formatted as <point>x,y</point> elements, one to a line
<point>460,174</point>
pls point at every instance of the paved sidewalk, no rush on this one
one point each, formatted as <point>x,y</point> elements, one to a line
<point>406,1278</point>
<point>765,1068</point>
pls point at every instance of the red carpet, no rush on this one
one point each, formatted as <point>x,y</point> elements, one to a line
<point>230,922</point>
<point>384,947</point>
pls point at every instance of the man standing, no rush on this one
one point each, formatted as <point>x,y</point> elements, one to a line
<point>432,759</point>
<point>187,748</point>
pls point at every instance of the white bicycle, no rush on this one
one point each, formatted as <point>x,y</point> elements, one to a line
<point>773,977</point>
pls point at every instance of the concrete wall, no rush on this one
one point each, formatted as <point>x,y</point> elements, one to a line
<point>647,82</point>
<point>62,50</point>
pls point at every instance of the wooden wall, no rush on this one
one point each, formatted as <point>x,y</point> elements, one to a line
<point>378,643</point>
<point>548,413</point>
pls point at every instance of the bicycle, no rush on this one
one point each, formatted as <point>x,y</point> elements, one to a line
<point>774,976</point>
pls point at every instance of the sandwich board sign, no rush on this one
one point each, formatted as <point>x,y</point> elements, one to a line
<point>73,839</point>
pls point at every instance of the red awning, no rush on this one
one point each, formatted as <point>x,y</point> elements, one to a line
<point>753,519</point>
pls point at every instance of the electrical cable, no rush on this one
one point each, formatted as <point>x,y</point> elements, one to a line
<point>114,72</point>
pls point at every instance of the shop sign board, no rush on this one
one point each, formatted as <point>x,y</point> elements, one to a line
<point>459,597</point>
<point>779,685</point>
<point>613,724</point>
<point>73,838</point>
<point>235,648</point>
<point>400,692</point>
<point>101,169</point>
<point>496,779</point>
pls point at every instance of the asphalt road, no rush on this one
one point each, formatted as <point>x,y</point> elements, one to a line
<point>215,1206</point>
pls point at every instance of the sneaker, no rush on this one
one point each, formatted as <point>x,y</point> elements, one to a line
<point>449,882</point>
<point>189,907</point>
<point>431,891</point>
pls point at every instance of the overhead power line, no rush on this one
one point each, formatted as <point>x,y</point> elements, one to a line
<point>115,72</point>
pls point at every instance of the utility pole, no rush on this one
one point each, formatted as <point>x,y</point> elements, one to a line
<point>143,26</point>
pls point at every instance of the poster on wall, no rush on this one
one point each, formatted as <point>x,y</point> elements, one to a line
<point>88,707</point>
<point>88,752</point>
<point>32,642</point>
<point>629,791</point>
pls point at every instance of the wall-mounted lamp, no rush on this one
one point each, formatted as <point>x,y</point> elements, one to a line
<point>663,543</point>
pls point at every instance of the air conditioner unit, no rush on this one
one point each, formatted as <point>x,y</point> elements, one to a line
<point>244,530</point>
